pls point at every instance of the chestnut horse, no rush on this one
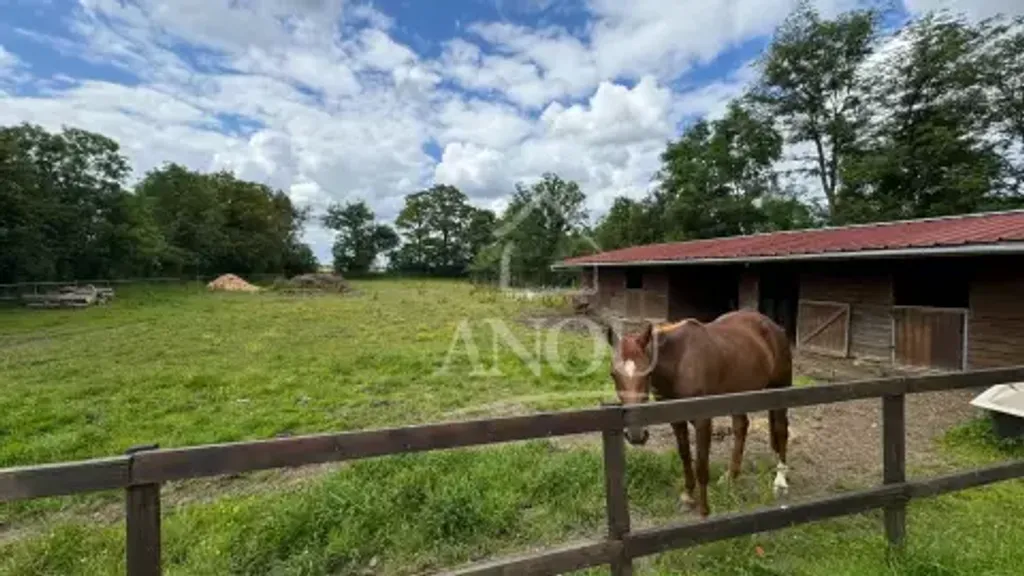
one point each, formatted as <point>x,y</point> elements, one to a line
<point>739,351</point>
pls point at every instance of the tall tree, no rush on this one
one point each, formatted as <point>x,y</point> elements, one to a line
<point>359,240</point>
<point>215,223</point>
<point>58,194</point>
<point>809,82</point>
<point>537,228</point>
<point>413,223</point>
<point>928,154</point>
<point>1001,66</point>
<point>441,230</point>
<point>629,222</point>
<point>718,177</point>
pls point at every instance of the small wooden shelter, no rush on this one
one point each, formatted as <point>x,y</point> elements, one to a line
<point>944,293</point>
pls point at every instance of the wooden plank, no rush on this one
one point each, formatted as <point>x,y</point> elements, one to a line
<point>616,496</point>
<point>237,457</point>
<point>559,561</point>
<point>819,329</point>
<point>29,482</point>
<point>842,309</point>
<point>652,541</point>
<point>894,465</point>
<point>142,530</point>
<point>963,480</point>
<point>746,402</point>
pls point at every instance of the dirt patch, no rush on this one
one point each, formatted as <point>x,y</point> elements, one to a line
<point>319,282</point>
<point>839,446</point>
<point>834,447</point>
<point>231,283</point>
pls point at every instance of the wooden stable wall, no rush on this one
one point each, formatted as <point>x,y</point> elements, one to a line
<point>995,333</point>
<point>866,290</point>
<point>847,309</point>
<point>649,302</point>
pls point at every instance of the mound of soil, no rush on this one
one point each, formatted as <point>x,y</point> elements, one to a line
<point>231,283</point>
<point>319,281</point>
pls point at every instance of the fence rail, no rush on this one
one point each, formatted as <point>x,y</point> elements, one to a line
<point>141,471</point>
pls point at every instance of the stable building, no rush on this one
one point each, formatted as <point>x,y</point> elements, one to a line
<point>942,293</point>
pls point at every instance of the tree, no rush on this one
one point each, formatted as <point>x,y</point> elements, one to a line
<point>537,228</point>
<point>809,83</point>
<point>214,223</point>
<point>1001,68</point>
<point>413,223</point>
<point>186,210</point>
<point>928,155</point>
<point>358,240</point>
<point>441,230</point>
<point>719,178</point>
<point>58,196</point>
<point>628,223</point>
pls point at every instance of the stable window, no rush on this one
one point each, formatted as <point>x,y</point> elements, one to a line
<point>634,279</point>
<point>932,285</point>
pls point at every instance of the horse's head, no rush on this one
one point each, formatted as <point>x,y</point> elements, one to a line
<point>631,371</point>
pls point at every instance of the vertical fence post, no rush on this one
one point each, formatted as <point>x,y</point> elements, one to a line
<point>616,496</point>
<point>894,457</point>
<point>142,526</point>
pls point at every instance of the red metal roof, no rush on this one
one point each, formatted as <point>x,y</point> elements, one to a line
<point>931,234</point>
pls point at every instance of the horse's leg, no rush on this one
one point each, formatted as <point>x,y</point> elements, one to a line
<point>779,423</point>
<point>740,425</point>
<point>703,451</point>
<point>683,443</point>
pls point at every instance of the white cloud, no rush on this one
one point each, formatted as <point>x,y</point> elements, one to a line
<point>610,146</point>
<point>977,9</point>
<point>478,170</point>
<point>615,115</point>
<point>7,60</point>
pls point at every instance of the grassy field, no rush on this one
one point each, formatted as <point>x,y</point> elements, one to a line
<point>181,366</point>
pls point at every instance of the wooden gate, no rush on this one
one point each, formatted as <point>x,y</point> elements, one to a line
<point>929,337</point>
<point>824,327</point>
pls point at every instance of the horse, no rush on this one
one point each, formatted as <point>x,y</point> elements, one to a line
<point>739,351</point>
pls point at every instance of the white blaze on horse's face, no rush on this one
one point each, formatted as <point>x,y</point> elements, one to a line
<point>631,371</point>
<point>632,381</point>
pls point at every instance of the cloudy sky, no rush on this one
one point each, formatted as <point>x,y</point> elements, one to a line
<point>333,100</point>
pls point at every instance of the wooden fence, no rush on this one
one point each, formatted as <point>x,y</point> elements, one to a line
<point>141,471</point>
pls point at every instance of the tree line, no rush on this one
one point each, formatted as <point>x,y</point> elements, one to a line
<point>66,214</point>
<point>439,232</point>
<point>849,120</point>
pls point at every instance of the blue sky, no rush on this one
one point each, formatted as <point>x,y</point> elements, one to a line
<point>332,100</point>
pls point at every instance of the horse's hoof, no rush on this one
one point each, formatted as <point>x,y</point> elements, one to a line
<point>687,501</point>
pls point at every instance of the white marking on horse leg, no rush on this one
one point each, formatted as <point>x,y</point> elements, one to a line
<point>780,487</point>
<point>686,500</point>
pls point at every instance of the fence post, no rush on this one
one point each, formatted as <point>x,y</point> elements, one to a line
<point>894,456</point>
<point>616,496</point>
<point>142,525</point>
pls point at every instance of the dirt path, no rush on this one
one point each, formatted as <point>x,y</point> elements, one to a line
<point>836,447</point>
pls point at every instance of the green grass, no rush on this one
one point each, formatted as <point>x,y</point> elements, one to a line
<point>181,366</point>
<point>184,367</point>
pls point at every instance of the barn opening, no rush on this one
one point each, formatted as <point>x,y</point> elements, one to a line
<point>779,296</point>
<point>930,307</point>
<point>702,292</point>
